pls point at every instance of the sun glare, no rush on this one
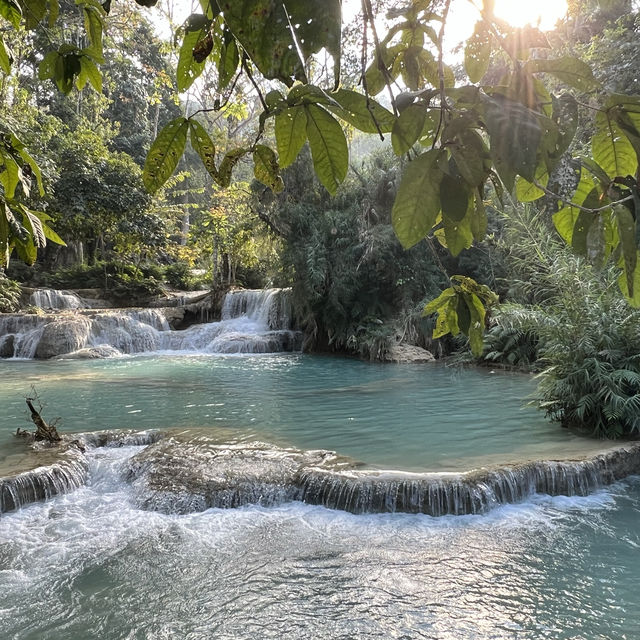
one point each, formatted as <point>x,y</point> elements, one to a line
<point>542,13</point>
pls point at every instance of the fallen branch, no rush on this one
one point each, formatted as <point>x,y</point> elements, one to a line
<point>44,431</point>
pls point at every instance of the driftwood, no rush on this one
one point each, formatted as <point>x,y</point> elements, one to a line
<point>44,431</point>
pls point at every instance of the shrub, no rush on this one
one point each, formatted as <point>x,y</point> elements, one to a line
<point>9,294</point>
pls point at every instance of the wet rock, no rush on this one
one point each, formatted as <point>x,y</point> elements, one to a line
<point>92,353</point>
<point>6,346</point>
<point>408,353</point>
<point>62,336</point>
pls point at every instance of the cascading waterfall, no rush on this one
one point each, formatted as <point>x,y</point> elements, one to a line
<point>67,473</point>
<point>254,321</point>
<point>191,470</point>
<point>55,299</point>
<point>188,472</point>
<point>62,468</point>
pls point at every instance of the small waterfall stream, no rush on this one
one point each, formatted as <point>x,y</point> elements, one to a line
<point>253,321</point>
<point>192,470</point>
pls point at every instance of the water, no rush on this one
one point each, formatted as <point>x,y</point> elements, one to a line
<point>92,565</point>
<point>410,417</point>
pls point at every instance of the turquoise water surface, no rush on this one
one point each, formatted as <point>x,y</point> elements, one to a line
<point>92,565</point>
<point>411,417</point>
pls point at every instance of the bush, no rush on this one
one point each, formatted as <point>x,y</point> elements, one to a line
<point>9,294</point>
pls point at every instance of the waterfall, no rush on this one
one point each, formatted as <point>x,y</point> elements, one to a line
<point>254,321</point>
<point>67,473</point>
<point>190,472</point>
<point>54,299</point>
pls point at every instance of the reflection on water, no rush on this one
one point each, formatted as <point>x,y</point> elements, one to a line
<point>556,568</point>
<point>412,417</point>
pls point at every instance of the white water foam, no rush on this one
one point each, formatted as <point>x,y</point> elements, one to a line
<point>100,567</point>
<point>253,321</point>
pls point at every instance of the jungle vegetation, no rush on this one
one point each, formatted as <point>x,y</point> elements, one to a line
<point>487,199</point>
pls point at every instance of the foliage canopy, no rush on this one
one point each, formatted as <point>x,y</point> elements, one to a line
<point>461,139</point>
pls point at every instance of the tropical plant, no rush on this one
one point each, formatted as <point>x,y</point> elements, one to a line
<point>9,294</point>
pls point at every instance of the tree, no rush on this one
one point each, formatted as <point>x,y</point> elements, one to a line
<point>459,140</point>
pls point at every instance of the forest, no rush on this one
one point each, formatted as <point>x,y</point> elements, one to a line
<point>480,203</point>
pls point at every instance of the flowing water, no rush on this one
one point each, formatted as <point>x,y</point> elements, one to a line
<point>93,565</point>
<point>111,561</point>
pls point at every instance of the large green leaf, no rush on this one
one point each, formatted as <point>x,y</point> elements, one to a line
<point>565,219</point>
<point>515,135</point>
<point>527,191</point>
<point>204,147</point>
<point>471,156</point>
<point>165,153</point>
<point>196,27</point>
<point>478,52</point>
<point>612,150</point>
<point>454,198</point>
<point>5,58</point>
<point>627,233</point>
<point>408,128</point>
<point>417,202</point>
<point>11,12</point>
<point>265,168</point>
<point>328,145</point>
<point>631,294</point>
<point>272,33</point>
<point>230,160</point>
<point>573,71</point>
<point>93,25</point>
<point>364,113</point>
<point>457,233</point>
<point>291,134</point>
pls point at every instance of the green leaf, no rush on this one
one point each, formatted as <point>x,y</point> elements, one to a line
<point>204,147</point>
<point>632,294</point>
<point>291,134</point>
<point>478,222</point>
<point>612,150</point>
<point>478,52</point>
<point>442,300</point>
<point>229,161</point>
<point>272,33</point>
<point>565,219</point>
<point>573,71</point>
<point>89,71</point>
<point>47,67</point>
<point>165,153</point>
<point>265,168</point>
<point>10,174</point>
<point>457,233</point>
<point>627,233</point>
<point>93,26</point>
<point>527,191</point>
<point>408,128</point>
<point>454,198</point>
<point>5,58</point>
<point>196,27</point>
<point>515,135</point>
<point>417,202</point>
<point>471,156</point>
<point>329,149</point>
<point>19,148</point>
<point>11,12</point>
<point>362,113</point>
<point>229,60</point>
<point>476,325</point>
